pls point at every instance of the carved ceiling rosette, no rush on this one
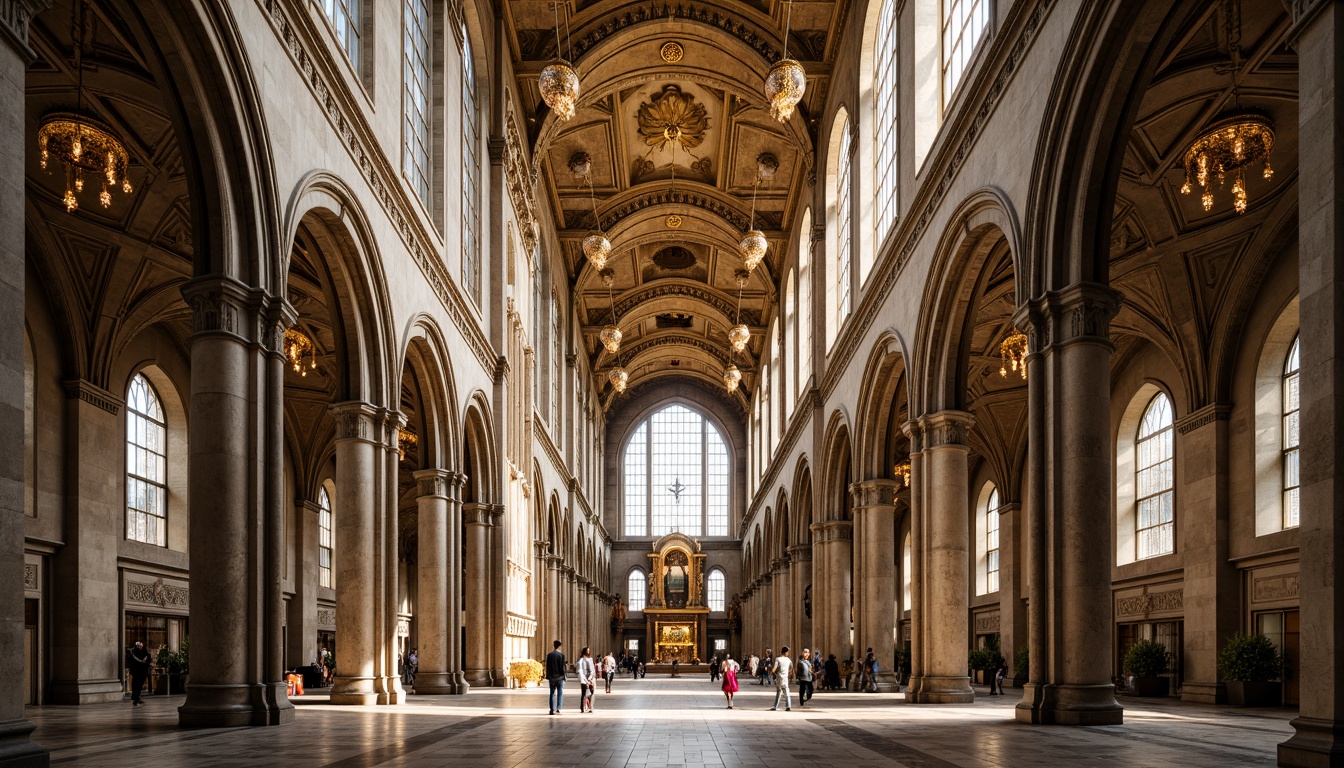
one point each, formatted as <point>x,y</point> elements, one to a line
<point>672,116</point>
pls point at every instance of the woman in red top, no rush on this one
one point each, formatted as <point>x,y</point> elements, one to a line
<point>729,669</point>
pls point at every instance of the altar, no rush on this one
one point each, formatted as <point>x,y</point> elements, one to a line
<point>675,612</point>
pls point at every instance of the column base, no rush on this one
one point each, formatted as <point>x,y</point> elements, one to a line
<point>390,691</point>
<point>460,681</point>
<point>1204,693</point>
<point>440,684</point>
<point>886,683</point>
<point>1316,744</point>
<point>17,750</point>
<point>358,691</point>
<point>231,706</point>
<point>944,690</point>
<point>478,677</point>
<point>498,679</point>
<point>1070,705</point>
<point>106,691</point>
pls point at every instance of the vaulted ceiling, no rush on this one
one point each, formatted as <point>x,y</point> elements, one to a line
<point>675,203</point>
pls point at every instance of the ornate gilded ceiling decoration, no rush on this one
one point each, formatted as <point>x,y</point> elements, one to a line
<point>690,292</point>
<point>674,257</point>
<point>659,10</point>
<point>673,221</point>
<point>673,320</point>
<point>680,197</point>
<point>672,116</point>
<point>672,52</point>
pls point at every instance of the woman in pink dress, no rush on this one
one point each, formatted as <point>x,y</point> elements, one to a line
<point>729,669</point>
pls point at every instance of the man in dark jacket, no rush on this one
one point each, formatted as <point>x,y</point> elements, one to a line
<point>137,661</point>
<point>555,675</point>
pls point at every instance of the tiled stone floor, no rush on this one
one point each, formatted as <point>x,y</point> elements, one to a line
<point>661,722</point>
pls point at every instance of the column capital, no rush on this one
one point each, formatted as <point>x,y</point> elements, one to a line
<point>780,566</point>
<point>946,428</point>
<point>915,434</point>
<point>832,530</point>
<point>878,492</point>
<point>476,514</point>
<point>553,562</point>
<point>800,553</point>
<point>1079,312</point>
<point>220,306</point>
<point>541,546</point>
<point>15,16</point>
<point>357,420</point>
<point>433,483</point>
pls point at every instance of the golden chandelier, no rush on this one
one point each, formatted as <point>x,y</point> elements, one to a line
<point>296,346</point>
<point>1227,147</point>
<point>739,335</point>
<point>611,338</point>
<point>1013,351</point>
<point>83,146</point>
<point>559,83</point>
<point>731,378</point>
<point>786,81</point>
<point>619,379</point>
<point>901,472</point>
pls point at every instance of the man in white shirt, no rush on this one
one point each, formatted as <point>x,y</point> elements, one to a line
<point>780,669</point>
<point>609,669</point>
<point>587,679</point>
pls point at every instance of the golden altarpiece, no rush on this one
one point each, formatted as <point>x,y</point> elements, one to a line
<point>675,612</point>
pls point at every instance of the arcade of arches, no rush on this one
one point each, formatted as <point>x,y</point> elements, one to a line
<point>312,354</point>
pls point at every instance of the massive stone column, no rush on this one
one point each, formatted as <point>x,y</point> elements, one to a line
<point>800,577</point>
<point>1070,488</point>
<point>454,599</point>
<point>303,605</point>
<point>554,610</point>
<point>235,604</point>
<point>831,546</point>
<point>387,563</point>
<point>354,513</point>
<point>875,575</point>
<point>1319,40</point>
<point>15,747</point>
<point>478,520</point>
<point>434,624</point>
<point>783,607</point>
<point>945,515</point>
<point>919,635</point>
<point>269,463</point>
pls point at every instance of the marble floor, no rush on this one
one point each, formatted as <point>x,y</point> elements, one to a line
<point>662,722</point>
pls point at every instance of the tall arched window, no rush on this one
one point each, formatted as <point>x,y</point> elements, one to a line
<point>776,406</point>
<point>681,486</point>
<point>715,592</point>
<point>146,465</point>
<point>964,24</point>
<point>805,300</point>
<point>884,90</point>
<point>844,215</point>
<point>790,344</point>
<point>1154,480</point>
<point>991,513</point>
<point>1291,467</point>
<point>471,174</point>
<point>556,354</point>
<point>907,568</point>
<point>635,590</point>
<point>344,18</point>
<point>415,60</point>
<point>324,539</point>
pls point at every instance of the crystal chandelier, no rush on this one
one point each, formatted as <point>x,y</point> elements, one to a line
<point>597,248</point>
<point>611,338</point>
<point>731,378</point>
<point>619,379</point>
<point>81,144</point>
<point>753,248</point>
<point>1013,351</point>
<point>902,472</point>
<point>1227,147</point>
<point>295,346</point>
<point>739,335</point>
<point>786,81</point>
<point>559,83</point>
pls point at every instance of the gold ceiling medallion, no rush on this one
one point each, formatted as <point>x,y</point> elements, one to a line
<point>1227,147</point>
<point>559,82</point>
<point>672,117</point>
<point>672,52</point>
<point>673,221</point>
<point>296,346</point>
<point>1013,351</point>
<point>786,82</point>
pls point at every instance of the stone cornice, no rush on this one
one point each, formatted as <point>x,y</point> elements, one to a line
<point>990,80</point>
<point>549,448</point>
<point>15,16</point>
<point>1203,417</point>
<point>361,142</point>
<point>80,389</point>
<point>734,216</point>
<point>679,289</point>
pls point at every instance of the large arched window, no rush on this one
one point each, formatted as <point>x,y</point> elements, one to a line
<point>1154,480</point>
<point>635,590</point>
<point>343,15</point>
<point>991,513</point>
<point>683,484</point>
<point>1291,467</point>
<point>471,174</point>
<point>804,300</point>
<point>776,387</point>
<point>964,24</point>
<point>844,215</point>
<point>790,345</point>
<point>324,539</point>
<point>146,465</point>
<point>415,88</point>
<point>884,91</point>
<point>715,591</point>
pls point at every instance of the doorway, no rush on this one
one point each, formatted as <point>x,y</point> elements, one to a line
<point>1283,628</point>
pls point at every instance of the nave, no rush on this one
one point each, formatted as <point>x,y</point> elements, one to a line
<point>660,721</point>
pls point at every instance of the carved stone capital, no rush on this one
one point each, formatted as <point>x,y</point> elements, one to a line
<point>220,305</point>
<point>1079,313</point>
<point>477,514</point>
<point>357,420</point>
<point>433,482</point>
<point>946,428</point>
<point>801,553</point>
<point>874,493</point>
<point>914,432</point>
<point>15,16</point>
<point>832,530</point>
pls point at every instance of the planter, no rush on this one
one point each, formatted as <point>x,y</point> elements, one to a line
<point>1152,686</point>
<point>1018,682</point>
<point>170,684</point>
<point>1260,694</point>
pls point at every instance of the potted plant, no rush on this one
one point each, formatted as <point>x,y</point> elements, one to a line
<point>1251,664</point>
<point>1021,666</point>
<point>982,660</point>
<point>1147,661</point>
<point>526,673</point>
<point>174,667</point>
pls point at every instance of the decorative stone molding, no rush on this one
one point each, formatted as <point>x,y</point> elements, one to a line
<point>1151,602</point>
<point>549,448</point>
<point>987,623</point>
<point>676,290</point>
<point>801,553</point>
<point>221,306</point>
<point>946,428</point>
<point>432,482</point>
<point>520,177</point>
<point>874,493</point>
<point>476,514</point>
<point>602,27</point>
<point>731,214</point>
<point>356,421</point>
<point>157,593</point>
<point>520,626</point>
<point>1203,417</point>
<point>832,530</point>
<point>30,576</point>
<point>326,617</point>
<point>1080,312</point>
<point>346,117</point>
<point>1269,589</point>
<point>15,17</point>
<point>716,351</point>
<point>79,389</point>
<point>403,626</point>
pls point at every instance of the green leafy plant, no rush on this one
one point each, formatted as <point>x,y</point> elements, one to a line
<point>176,662</point>
<point>526,671</point>
<point>903,661</point>
<point>1146,658</point>
<point>983,659</point>
<point>1250,659</point>
<point>1022,662</point>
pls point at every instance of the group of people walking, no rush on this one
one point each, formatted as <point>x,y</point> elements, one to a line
<point>591,672</point>
<point>779,669</point>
